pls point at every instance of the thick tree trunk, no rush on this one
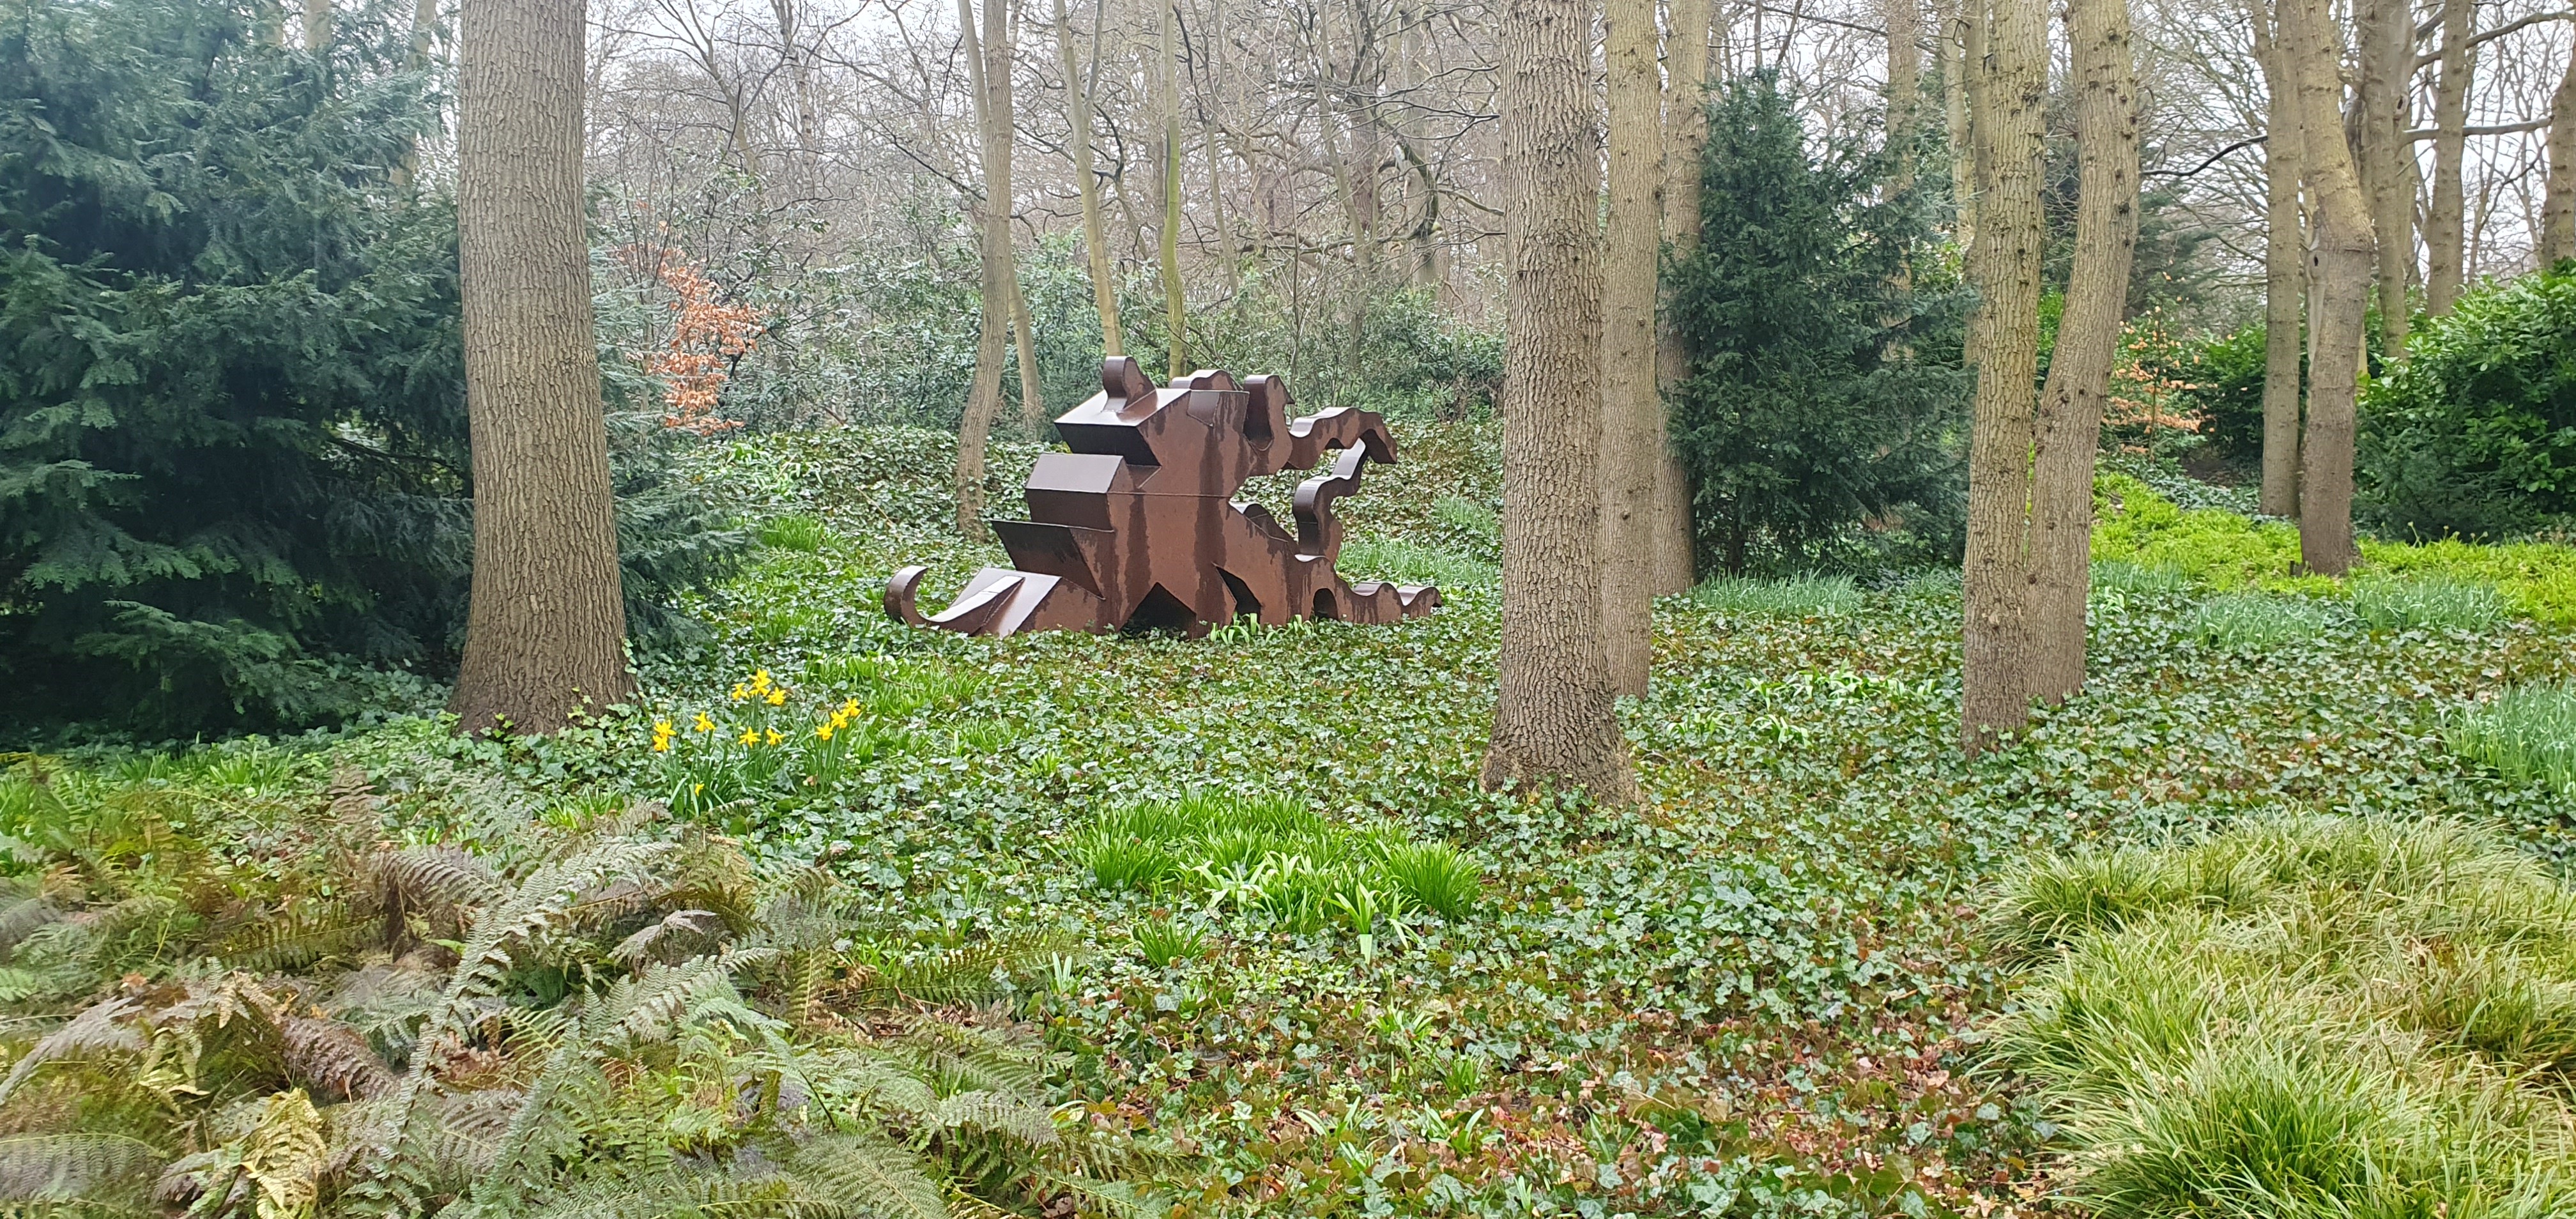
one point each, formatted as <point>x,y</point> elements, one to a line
<point>2339,273</point>
<point>1632,412</point>
<point>1686,56</point>
<point>1555,715</point>
<point>1078,103</point>
<point>2007,92</point>
<point>2445,228</point>
<point>546,628</point>
<point>1175,312</point>
<point>2558,206</point>
<point>988,66</point>
<point>2387,171</point>
<point>2069,426</point>
<point>2285,272</point>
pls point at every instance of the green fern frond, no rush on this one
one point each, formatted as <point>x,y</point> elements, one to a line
<point>23,912</point>
<point>996,1113</point>
<point>108,1169</point>
<point>962,1059</point>
<point>976,973</point>
<point>855,1174</point>
<point>299,936</point>
<point>427,876</point>
<point>679,931</point>
<point>98,1029</point>
<point>1110,1197</point>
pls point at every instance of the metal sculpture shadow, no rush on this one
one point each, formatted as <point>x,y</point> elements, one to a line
<point>1137,526</point>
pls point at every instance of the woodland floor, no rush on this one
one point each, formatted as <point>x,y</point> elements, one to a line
<point>1760,993</point>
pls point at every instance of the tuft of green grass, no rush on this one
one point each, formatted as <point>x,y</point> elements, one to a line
<point>2253,622</point>
<point>1790,597</point>
<point>794,531</point>
<point>2129,576</point>
<point>1164,942</point>
<point>1434,876</point>
<point>2432,603</point>
<point>2304,1017</point>
<point>2527,733</point>
<point>1404,562</point>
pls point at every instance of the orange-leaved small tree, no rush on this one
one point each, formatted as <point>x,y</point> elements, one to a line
<point>707,340</point>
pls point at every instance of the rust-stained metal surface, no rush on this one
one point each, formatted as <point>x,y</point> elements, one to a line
<point>1138,524</point>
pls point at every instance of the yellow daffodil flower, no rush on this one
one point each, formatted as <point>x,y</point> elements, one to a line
<point>850,708</point>
<point>750,736</point>
<point>663,728</point>
<point>661,744</point>
<point>740,692</point>
<point>704,724</point>
<point>775,736</point>
<point>824,732</point>
<point>760,680</point>
<point>778,698</point>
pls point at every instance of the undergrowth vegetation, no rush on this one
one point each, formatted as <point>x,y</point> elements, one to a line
<point>2302,1017</point>
<point>1230,918</point>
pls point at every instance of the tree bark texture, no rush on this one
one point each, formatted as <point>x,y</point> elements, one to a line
<point>2008,87</point>
<point>2339,276</point>
<point>1632,412</point>
<point>1175,313</point>
<point>1078,103</point>
<point>1961,55</point>
<point>1686,56</point>
<point>2445,227</point>
<point>1033,411</point>
<point>1904,20</point>
<point>988,65</point>
<point>2069,424</point>
<point>1555,718</point>
<point>546,626</point>
<point>2558,205</point>
<point>2285,271</point>
<point>2387,37</point>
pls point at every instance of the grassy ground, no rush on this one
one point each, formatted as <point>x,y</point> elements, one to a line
<point>1763,993</point>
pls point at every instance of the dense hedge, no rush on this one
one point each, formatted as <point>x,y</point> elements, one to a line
<point>2475,434</point>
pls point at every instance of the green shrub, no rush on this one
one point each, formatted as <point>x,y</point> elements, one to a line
<point>2475,434</point>
<point>2301,1017</point>
<point>2253,622</point>
<point>794,531</point>
<point>2435,603</point>
<point>1789,597</point>
<point>2527,733</point>
<point>1164,942</point>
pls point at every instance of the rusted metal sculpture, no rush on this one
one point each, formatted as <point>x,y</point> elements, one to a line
<point>1137,526</point>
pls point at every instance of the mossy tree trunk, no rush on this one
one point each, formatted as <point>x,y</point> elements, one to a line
<point>2339,275</point>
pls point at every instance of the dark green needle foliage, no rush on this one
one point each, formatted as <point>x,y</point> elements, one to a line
<point>1824,336</point>
<point>233,483</point>
<point>2476,433</point>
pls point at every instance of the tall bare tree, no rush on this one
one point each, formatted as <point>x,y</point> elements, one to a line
<point>1168,90</point>
<point>1080,102</point>
<point>2339,274</point>
<point>988,59</point>
<point>1555,714</point>
<point>546,625</point>
<point>1631,410</point>
<point>2558,207</point>
<point>2386,33</point>
<point>2445,220</point>
<point>2069,425</point>
<point>2285,267</point>
<point>1686,57</point>
<point>2007,90</point>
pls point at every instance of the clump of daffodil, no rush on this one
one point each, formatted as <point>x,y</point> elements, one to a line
<point>662,734</point>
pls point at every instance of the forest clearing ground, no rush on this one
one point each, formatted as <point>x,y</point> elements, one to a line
<point>1762,991</point>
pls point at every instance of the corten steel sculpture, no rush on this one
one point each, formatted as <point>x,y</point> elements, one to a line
<point>1137,525</point>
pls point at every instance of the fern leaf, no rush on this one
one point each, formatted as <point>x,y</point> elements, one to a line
<point>74,1167</point>
<point>854,1173</point>
<point>97,1029</point>
<point>1113,1197</point>
<point>285,1155</point>
<point>997,1113</point>
<point>22,914</point>
<point>299,936</point>
<point>330,1055</point>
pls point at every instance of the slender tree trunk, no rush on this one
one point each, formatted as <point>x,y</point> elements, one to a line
<point>2446,230</point>
<point>424,33</point>
<point>2008,90</point>
<point>1555,715</point>
<point>1078,109</point>
<point>1959,50</point>
<point>2285,272</point>
<point>2339,273</point>
<point>1904,20</point>
<point>317,27</point>
<point>1033,411</point>
<point>2558,205</point>
<point>2387,172</point>
<point>1686,55</point>
<point>2069,425</point>
<point>546,626</point>
<point>1175,315</point>
<point>988,70</point>
<point>1631,411</point>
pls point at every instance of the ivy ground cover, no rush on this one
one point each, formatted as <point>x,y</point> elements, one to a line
<point>1764,992</point>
